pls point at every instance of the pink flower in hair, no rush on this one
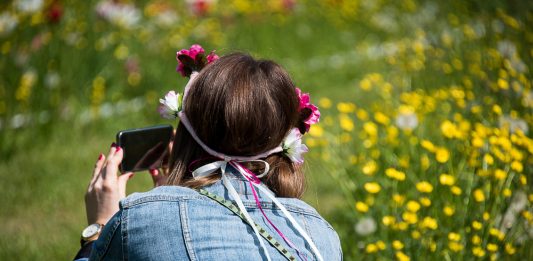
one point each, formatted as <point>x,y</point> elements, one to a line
<point>212,57</point>
<point>309,113</point>
<point>193,59</point>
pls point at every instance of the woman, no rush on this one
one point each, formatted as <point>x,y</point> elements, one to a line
<point>227,165</point>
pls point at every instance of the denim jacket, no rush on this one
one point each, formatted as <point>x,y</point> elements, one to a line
<point>177,223</point>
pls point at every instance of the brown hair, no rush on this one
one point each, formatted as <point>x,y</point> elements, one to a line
<point>239,106</point>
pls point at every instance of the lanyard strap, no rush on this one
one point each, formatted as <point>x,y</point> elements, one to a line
<point>262,231</point>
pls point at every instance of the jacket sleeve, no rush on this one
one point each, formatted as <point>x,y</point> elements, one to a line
<point>109,243</point>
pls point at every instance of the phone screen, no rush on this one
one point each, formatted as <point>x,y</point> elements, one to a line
<point>144,148</point>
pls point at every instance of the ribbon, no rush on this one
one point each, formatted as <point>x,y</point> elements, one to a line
<point>210,168</point>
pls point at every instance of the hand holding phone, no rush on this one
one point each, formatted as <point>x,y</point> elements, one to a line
<point>144,148</point>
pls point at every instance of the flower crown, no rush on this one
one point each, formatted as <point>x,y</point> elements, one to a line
<point>191,61</point>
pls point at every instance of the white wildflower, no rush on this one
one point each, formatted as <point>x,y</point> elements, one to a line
<point>366,226</point>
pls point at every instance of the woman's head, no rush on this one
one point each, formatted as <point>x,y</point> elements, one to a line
<point>240,106</point>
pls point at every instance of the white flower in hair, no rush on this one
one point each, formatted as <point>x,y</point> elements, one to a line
<point>293,147</point>
<point>170,105</point>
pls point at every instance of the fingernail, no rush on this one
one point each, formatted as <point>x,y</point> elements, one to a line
<point>100,156</point>
<point>131,176</point>
<point>113,144</point>
<point>117,149</point>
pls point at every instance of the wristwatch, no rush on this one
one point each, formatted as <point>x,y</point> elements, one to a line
<point>91,233</point>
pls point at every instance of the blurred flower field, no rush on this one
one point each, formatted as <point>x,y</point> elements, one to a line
<point>424,148</point>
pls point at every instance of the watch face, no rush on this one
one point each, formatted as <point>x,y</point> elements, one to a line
<point>90,230</point>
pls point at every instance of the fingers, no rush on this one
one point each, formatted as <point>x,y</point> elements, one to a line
<point>97,169</point>
<point>122,181</point>
<point>100,170</point>
<point>158,177</point>
<point>113,160</point>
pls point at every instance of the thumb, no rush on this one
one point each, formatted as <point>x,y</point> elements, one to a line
<point>122,181</point>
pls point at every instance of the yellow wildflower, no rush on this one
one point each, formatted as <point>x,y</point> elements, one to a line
<point>448,211</point>
<point>429,222</point>
<point>500,174</point>
<point>442,155</point>
<point>316,131</point>
<point>346,122</point>
<point>404,163</point>
<point>424,162</point>
<point>527,215</point>
<point>496,233</point>
<point>478,251</point>
<point>324,103</point>
<point>446,179</point>
<point>401,226</point>
<point>477,142</point>
<point>402,257</point>
<point>362,114</point>
<point>454,236</point>
<point>409,217</point>
<point>361,206</point>
<point>455,246</point>
<point>523,179</point>
<point>346,107</point>
<point>365,84</point>
<point>381,245</point>
<point>507,192</point>
<point>503,84</point>
<point>370,128</point>
<point>399,199</point>
<point>395,174</point>
<point>424,187</point>
<point>478,195</point>
<point>388,220</point>
<point>396,244</point>
<point>476,225</point>
<point>412,206</point>
<point>426,144</point>
<point>371,248</point>
<point>492,247</point>
<point>510,249</point>
<point>476,240</point>
<point>456,190</point>
<point>381,118</point>
<point>486,216</point>
<point>448,129</point>
<point>370,168</point>
<point>488,159</point>
<point>415,234</point>
<point>497,109</point>
<point>425,201</point>
<point>372,187</point>
<point>517,166</point>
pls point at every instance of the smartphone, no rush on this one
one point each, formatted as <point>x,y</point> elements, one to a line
<point>144,148</point>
